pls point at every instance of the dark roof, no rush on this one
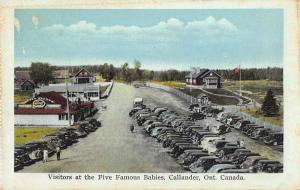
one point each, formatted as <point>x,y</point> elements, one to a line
<point>81,71</point>
<point>20,82</point>
<point>197,74</point>
<point>22,75</point>
<point>54,96</point>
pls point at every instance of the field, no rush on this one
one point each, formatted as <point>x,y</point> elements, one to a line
<point>278,120</point>
<point>26,134</point>
<point>256,89</point>
<point>173,84</point>
<point>21,96</point>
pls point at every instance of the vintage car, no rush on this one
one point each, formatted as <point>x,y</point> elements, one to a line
<point>156,131</point>
<point>192,157</point>
<point>275,138</point>
<point>263,166</point>
<point>251,161</point>
<point>203,164</point>
<point>251,129</point>
<point>245,128</point>
<point>134,110</point>
<point>260,133</point>
<point>17,165</point>
<point>192,106</point>
<point>87,127</point>
<point>243,156</point>
<point>236,153</point>
<point>220,129</point>
<point>218,168</point>
<point>172,142</point>
<point>23,157</point>
<point>249,170</point>
<point>180,149</point>
<point>215,144</point>
<point>196,116</point>
<point>207,140</point>
<point>240,124</point>
<point>228,148</point>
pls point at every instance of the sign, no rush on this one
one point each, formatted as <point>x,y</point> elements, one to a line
<point>38,103</point>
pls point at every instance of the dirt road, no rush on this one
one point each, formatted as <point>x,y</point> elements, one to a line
<point>113,148</point>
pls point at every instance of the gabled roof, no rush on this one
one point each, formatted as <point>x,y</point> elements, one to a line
<point>20,82</point>
<point>54,96</point>
<point>83,73</point>
<point>197,74</point>
<point>22,75</point>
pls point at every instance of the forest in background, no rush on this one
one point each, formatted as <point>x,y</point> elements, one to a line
<point>42,72</point>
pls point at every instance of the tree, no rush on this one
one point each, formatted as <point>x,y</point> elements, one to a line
<point>270,107</point>
<point>41,73</point>
<point>138,73</point>
<point>126,73</point>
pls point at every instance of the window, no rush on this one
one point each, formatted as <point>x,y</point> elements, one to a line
<point>59,117</point>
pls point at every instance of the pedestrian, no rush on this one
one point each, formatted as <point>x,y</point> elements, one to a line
<point>132,128</point>
<point>58,153</point>
<point>238,142</point>
<point>45,155</point>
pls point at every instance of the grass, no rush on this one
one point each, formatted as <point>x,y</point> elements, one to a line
<point>212,98</point>
<point>277,120</point>
<point>258,88</point>
<point>27,134</point>
<point>99,78</point>
<point>103,88</point>
<point>173,84</point>
<point>21,96</point>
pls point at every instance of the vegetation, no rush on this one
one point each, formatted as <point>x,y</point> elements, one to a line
<point>276,120</point>
<point>173,84</point>
<point>41,73</point>
<point>21,96</point>
<point>256,89</point>
<point>26,134</point>
<point>269,107</point>
<point>213,98</point>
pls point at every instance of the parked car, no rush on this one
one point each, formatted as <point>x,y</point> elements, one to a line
<point>218,168</point>
<point>260,133</point>
<point>264,166</point>
<point>253,128</point>
<point>251,161</point>
<point>275,138</point>
<point>203,164</point>
<point>196,116</point>
<point>221,129</point>
<point>240,124</point>
<point>23,157</point>
<point>17,165</point>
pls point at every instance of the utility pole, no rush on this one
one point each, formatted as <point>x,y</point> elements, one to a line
<point>67,91</point>
<point>240,80</point>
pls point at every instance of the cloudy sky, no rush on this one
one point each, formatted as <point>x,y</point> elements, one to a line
<point>160,39</point>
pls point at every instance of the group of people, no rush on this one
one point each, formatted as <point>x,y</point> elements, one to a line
<point>45,154</point>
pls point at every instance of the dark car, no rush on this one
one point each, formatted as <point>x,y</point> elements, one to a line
<point>192,157</point>
<point>260,133</point>
<point>203,164</point>
<point>242,157</point>
<point>249,170</point>
<point>263,166</point>
<point>253,128</point>
<point>192,106</point>
<point>23,157</point>
<point>251,161</point>
<point>246,127</point>
<point>240,124</point>
<point>180,149</point>
<point>218,168</point>
<point>95,123</point>
<point>17,165</point>
<point>196,116</point>
<point>274,139</point>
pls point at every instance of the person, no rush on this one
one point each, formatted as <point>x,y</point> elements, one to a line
<point>132,128</point>
<point>238,142</point>
<point>58,153</point>
<point>45,155</point>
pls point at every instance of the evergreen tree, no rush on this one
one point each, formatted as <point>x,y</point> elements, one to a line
<point>270,107</point>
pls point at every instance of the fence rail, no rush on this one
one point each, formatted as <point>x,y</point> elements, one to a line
<point>231,109</point>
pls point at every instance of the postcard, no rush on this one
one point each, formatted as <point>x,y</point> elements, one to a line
<point>150,95</point>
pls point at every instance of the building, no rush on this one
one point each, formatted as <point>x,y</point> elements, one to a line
<point>22,75</point>
<point>206,78</point>
<point>50,109</point>
<point>84,76</point>
<point>24,84</point>
<point>85,92</point>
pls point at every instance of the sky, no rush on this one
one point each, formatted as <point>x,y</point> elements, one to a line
<point>159,39</point>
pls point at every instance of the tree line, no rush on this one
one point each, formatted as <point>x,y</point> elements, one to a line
<point>42,73</point>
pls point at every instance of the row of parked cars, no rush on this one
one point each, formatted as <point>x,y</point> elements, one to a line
<point>267,136</point>
<point>31,152</point>
<point>199,148</point>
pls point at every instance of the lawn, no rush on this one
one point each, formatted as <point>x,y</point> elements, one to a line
<point>278,120</point>
<point>21,96</point>
<point>214,99</point>
<point>173,84</point>
<point>27,134</point>
<point>99,78</point>
<point>256,89</point>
